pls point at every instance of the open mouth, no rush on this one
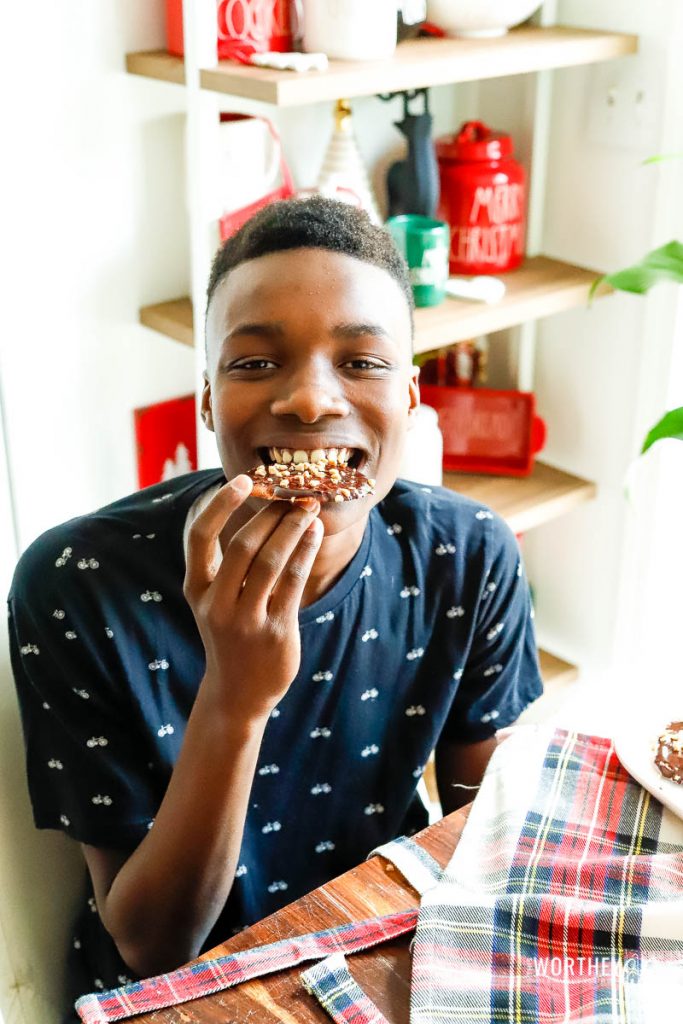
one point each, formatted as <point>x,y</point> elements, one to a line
<point>328,474</point>
<point>303,458</point>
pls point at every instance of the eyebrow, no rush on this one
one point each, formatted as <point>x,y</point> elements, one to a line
<point>357,330</point>
<point>263,330</point>
<point>275,330</point>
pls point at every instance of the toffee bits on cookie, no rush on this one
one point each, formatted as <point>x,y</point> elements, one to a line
<point>324,474</point>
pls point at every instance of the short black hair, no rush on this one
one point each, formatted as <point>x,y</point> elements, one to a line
<point>313,223</point>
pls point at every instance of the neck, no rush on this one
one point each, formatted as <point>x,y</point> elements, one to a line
<point>336,551</point>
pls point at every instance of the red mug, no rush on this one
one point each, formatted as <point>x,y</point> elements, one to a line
<point>254,26</point>
<point>243,26</point>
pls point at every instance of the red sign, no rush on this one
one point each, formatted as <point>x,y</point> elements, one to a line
<point>166,439</point>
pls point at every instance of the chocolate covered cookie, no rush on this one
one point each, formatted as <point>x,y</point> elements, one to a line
<point>669,756</point>
<point>324,474</point>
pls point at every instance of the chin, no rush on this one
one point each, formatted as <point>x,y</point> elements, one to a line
<point>338,517</point>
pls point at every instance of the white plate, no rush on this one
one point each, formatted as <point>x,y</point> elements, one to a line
<point>635,746</point>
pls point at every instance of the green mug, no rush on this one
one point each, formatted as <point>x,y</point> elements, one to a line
<point>425,244</point>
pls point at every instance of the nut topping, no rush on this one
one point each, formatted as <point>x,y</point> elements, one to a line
<point>324,480</point>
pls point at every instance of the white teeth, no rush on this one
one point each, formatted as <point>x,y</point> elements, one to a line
<point>300,458</point>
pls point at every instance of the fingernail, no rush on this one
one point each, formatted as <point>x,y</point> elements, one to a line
<point>242,484</point>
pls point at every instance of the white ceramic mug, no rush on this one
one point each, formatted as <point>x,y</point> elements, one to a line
<point>350,29</point>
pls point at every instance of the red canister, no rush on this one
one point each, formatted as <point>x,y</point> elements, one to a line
<point>483,198</point>
<point>244,26</point>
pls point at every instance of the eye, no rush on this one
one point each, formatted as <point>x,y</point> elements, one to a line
<point>363,363</point>
<point>252,364</point>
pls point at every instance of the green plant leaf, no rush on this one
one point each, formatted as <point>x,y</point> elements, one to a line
<point>662,157</point>
<point>663,264</point>
<point>670,426</point>
<point>594,287</point>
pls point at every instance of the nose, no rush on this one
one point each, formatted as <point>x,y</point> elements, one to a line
<point>310,394</point>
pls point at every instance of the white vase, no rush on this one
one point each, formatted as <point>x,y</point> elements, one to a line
<point>423,454</point>
<point>479,19</point>
<point>350,29</point>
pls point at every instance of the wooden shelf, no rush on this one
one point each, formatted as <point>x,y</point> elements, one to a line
<point>174,319</point>
<point>539,288</point>
<point>525,502</point>
<point>556,673</point>
<point>416,63</point>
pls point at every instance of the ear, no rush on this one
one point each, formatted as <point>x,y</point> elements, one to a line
<point>414,396</point>
<point>206,410</point>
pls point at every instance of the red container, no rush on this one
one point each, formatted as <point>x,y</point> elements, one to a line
<point>243,27</point>
<point>174,27</point>
<point>483,198</point>
<point>487,431</point>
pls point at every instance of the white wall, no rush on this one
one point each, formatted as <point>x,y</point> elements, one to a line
<point>605,576</point>
<point>96,228</point>
<point>92,212</point>
<point>603,376</point>
<point>94,220</point>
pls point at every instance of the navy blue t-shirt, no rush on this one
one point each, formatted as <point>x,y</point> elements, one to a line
<point>426,634</point>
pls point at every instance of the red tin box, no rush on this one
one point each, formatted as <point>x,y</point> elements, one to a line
<point>487,431</point>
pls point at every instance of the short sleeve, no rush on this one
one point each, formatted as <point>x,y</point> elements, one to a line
<point>501,675</point>
<point>87,767</point>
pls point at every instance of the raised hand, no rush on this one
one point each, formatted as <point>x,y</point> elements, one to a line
<point>246,607</point>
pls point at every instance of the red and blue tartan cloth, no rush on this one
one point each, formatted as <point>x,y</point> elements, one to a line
<point>563,901</point>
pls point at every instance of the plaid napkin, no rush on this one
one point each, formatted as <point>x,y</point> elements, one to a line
<point>563,900</point>
<point>209,976</point>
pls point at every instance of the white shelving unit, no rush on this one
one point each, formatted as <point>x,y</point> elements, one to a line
<point>542,287</point>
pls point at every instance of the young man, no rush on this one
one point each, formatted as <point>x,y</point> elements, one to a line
<point>228,701</point>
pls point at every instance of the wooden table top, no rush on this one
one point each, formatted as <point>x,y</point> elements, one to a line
<point>374,887</point>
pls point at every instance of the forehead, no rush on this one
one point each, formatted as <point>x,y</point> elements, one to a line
<point>309,290</point>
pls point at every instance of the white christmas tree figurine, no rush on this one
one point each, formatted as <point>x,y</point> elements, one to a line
<point>178,465</point>
<point>343,167</point>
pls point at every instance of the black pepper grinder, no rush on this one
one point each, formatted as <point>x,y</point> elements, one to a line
<point>413,183</point>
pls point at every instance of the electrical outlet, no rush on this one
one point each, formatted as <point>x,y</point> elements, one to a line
<point>624,101</point>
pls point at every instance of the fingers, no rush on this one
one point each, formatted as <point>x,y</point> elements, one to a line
<point>204,533</point>
<point>286,597</point>
<point>270,556</point>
